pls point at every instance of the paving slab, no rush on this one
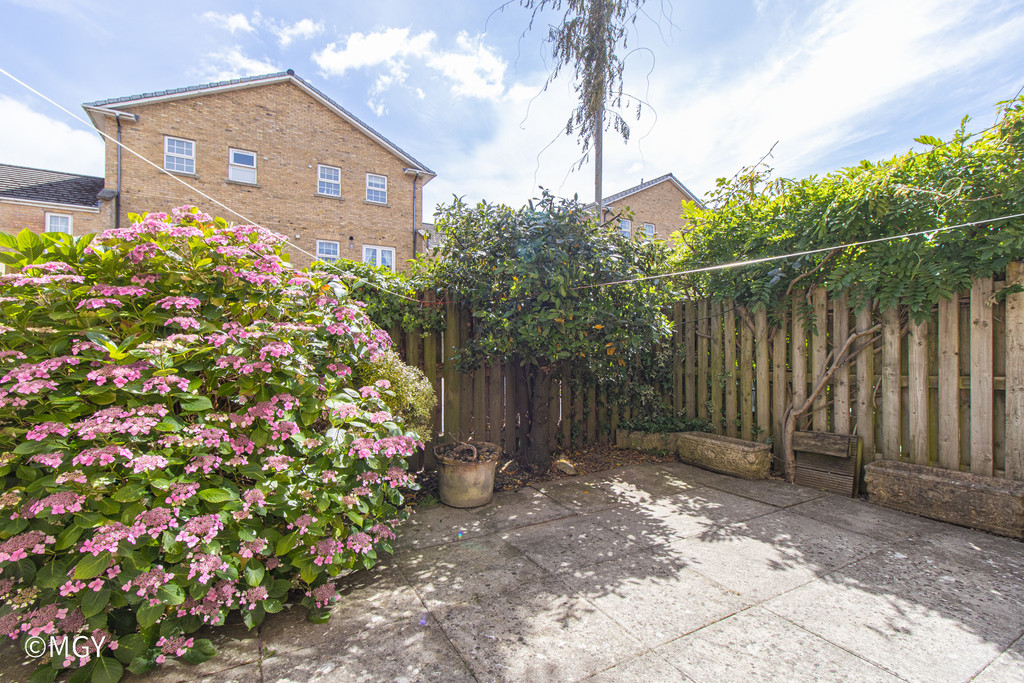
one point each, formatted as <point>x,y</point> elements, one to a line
<point>581,496</point>
<point>653,596</point>
<point>1007,668</point>
<point>410,651</point>
<point>757,645</point>
<point>184,673</point>
<point>468,571</point>
<point>871,520</point>
<point>696,511</point>
<point>926,615</point>
<point>771,554</point>
<point>574,542</point>
<point>436,525</point>
<point>511,509</point>
<point>648,667</point>
<point>539,633</point>
<point>641,483</point>
<point>770,491</point>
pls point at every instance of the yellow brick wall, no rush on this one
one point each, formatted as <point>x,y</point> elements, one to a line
<point>660,204</point>
<point>16,217</point>
<point>291,133</point>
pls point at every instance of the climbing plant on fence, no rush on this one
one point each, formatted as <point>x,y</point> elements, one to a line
<point>180,438</point>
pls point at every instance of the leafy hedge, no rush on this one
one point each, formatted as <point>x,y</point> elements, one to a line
<point>180,438</point>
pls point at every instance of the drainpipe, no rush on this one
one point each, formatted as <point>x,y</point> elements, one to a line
<point>117,199</point>
<point>415,223</point>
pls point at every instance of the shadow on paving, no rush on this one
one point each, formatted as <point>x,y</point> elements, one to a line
<point>659,572</point>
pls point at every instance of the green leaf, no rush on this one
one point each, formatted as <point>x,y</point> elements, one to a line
<point>254,573</point>
<point>196,404</point>
<point>171,594</point>
<point>129,493</point>
<point>91,566</point>
<point>107,670</point>
<point>141,665</point>
<point>51,575</point>
<point>272,606</point>
<point>44,673</point>
<point>287,543</point>
<point>93,602</point>
<point>149,614</point>
<point>68,537</point>
<point>129,647</point>
<point>216,495</point>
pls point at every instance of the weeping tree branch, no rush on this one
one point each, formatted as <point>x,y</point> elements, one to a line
<point>833,362</point>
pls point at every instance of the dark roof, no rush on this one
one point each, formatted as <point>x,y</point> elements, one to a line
<point>651,183</point>
<point>198,89</point>
<point>35,184</point>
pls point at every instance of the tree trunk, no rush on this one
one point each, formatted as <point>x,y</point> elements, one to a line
<point>599,161</point>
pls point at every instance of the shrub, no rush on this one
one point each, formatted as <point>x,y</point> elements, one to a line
<point>180,437</point>
<point>411,396</point>
<point>660,424</point>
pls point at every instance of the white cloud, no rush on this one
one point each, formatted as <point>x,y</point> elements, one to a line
<point>231,63</point>
<point>475,70</point>
<point>387,48</point>
<point>43,142</point>
<point>303,29</point>
<point>232,22</point>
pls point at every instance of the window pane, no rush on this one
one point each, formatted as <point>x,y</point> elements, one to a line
<point>332,189</point>
<point>327,251</point>
<point>376,188</point>
<point>243,159</point>
<point>330,173</point>
<point>242,174</point>
<point>58,224</point>
<point>649,229</point>
<point>625,227</point>
<point>387,258</point>
<point>370,255</point>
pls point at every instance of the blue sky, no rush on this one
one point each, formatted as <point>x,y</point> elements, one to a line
<point>459,86</point>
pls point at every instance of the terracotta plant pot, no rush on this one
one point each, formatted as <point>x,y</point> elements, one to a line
<point>465,473</point>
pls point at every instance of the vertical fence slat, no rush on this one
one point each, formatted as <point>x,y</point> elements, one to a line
<point>603,427</point>
<point>798,355</point>
<point>480,403</point>
<point>746,370</point>
<point>1015,374</point>
<point>496,396</point>
<point>715,371</point>
<point>591,414</point>
<point>702,358</point>
<point>466,380</point>
<point>917,381</point>
<point>678,349</point>
<point>452,384</point>
<point>761,386</point>
<point>819,349</point>
<point>689,360</point>
<point>866,389</point>
<point>554,412</point>
<point>891,384</point>
<point>566,426</point>
<point>511,427</point>
<point>730,368</point>
<point>949,383</point>
<point>841,380</point>
<point>430,345</point>
<point>981,377</point>
<point>779,383</point>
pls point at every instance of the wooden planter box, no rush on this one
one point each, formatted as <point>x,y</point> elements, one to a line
<point>986,503</point>
<point>736,457</point>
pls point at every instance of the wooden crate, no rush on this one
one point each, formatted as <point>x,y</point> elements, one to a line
<point>828,461</point>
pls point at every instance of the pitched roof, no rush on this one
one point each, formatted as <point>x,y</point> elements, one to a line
<point>20,182</point>
<point>109,106</point>
<point>651,183</point>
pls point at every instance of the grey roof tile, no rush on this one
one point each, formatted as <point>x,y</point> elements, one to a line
<point>21,182</point>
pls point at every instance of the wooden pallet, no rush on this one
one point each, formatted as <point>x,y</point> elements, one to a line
<point>828,461</point>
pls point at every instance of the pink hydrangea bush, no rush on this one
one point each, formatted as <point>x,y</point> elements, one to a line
<point>176,438</point>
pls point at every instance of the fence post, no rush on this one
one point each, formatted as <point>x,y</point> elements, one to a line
<point>981,377</point>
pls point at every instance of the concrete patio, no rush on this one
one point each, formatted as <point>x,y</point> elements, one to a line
<point>657,573</point>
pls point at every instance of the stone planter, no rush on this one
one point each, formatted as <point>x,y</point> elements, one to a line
<point>986,503</point>
<point>467,483</point>
<point>736,457</point>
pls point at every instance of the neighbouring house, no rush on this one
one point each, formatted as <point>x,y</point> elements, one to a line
<point>656,206</point>
<point>51,201</point>
<point>276,150</point>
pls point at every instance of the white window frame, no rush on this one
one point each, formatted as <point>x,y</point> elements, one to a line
<point>649,231</point>
<point>187,160</point>
<point>378,250</point>
<point>375,189</point>
<point>321,181</point>
<point>626,227</point>
<point>325,257</point>
<point>71,222</point>
<point>238,172</point>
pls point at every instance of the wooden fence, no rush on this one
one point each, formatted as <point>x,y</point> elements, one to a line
<point>948,392</point>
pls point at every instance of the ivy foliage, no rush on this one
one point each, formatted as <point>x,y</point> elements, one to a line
<point>966,179</point>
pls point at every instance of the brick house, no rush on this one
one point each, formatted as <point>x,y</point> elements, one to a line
<point>278,151</point>
<point>656,206</point>
<point>51,201</point>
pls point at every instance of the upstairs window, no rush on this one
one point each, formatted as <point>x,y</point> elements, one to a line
<point>179,155</point>
<point>328,181</point>
<point>379,256</point>
<point>242,166</point>
<point>58,222</point>
<point>626,228</point>
<point>327,251</point>
<point>649,230</point>
<point>376,188</point>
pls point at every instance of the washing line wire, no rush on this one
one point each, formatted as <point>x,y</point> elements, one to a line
<point>692,271</point>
